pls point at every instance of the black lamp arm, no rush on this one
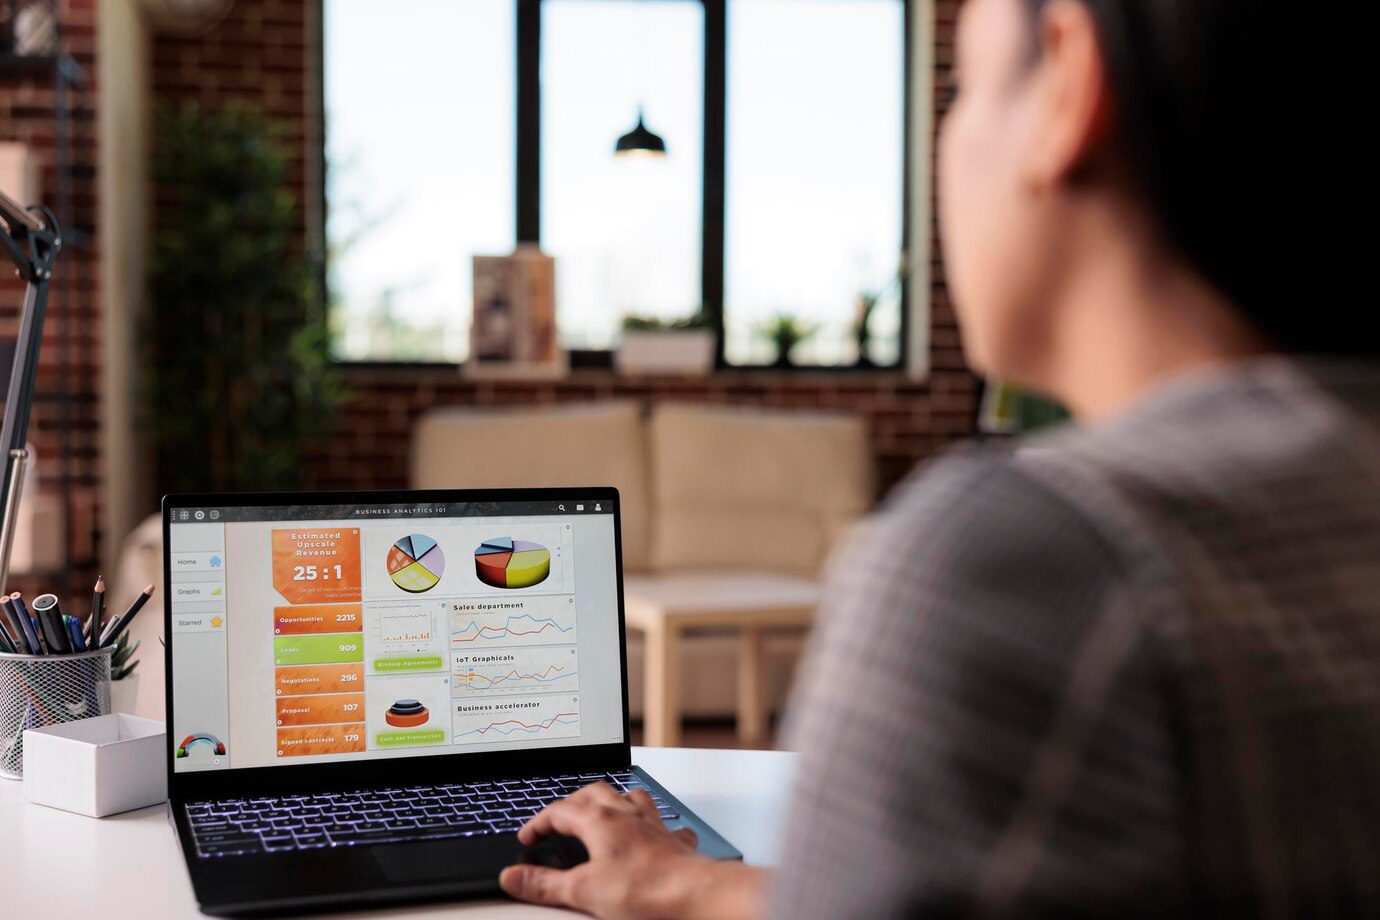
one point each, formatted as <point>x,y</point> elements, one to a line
<point>31,240</point>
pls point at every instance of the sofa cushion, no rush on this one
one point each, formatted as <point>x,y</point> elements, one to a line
<point>587,444</point>
<point>754,488</point>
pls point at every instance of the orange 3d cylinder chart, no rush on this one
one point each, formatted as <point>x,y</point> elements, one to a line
<point>406,714</point>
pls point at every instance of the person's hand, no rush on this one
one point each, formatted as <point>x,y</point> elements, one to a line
<point>637,868</point>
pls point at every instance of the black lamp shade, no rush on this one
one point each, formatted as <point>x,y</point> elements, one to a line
<point>640,140</point>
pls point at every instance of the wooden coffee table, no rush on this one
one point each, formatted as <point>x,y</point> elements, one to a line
<point>665,607</point>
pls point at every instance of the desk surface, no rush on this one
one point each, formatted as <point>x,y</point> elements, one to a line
<point>57,862</point>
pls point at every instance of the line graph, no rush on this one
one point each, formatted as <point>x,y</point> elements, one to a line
<point>477,681</point>
<point>543,669</point>
<point>516,718</point>
<point>520,630</point>
<point>509,726</point>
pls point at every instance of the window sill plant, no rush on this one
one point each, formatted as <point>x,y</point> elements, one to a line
<point>650,345</point>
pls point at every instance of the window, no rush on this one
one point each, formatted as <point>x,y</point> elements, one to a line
<point>420,147</point>
<point>782,191</point>
<point>813,214</point>
<point>625,231</point>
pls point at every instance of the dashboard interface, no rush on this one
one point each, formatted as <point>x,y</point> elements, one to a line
<point>317,634</point>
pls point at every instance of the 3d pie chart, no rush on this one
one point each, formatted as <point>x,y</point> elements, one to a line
<point>406,714</point>
<point>416,563</point>
<point>503,562</point>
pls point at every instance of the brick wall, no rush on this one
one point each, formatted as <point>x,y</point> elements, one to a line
<point>65,424</point>
<point>263,53</point>
<point>909,421</point>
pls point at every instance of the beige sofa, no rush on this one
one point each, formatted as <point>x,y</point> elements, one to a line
<point>712,498</point>
<point>708,493</point>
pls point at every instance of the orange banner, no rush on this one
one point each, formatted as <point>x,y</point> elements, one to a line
<point>323,618</point>
<point>319,678</point>
<point>317,710</point>
<point>317,565</point>
<point>321,739</point>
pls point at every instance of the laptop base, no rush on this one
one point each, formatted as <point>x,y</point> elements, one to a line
<point>380,875</point>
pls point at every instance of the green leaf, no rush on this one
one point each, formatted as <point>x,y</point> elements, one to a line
<point>237,379</point>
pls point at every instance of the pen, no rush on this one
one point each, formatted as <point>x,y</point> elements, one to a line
<point>118,626</point>
<point>5,646</point>
<point>21,613</point>
<point>5,635</point>
<point>74,634</point>
<point>49,613</point>
<point>93,626</point>
<point>7,616</point>
<point>23,643</point>
<point>17,637</point>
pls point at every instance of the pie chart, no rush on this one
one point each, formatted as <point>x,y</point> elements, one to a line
<point>416,563</point>
<point>503,562</point>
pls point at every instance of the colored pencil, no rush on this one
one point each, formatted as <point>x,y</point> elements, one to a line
<point>93,626</point>
<point>122,622</point>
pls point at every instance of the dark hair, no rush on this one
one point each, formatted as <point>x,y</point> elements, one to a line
<point>1244,124</point>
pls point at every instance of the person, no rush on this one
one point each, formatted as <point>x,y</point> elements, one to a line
<point>1132,666</point>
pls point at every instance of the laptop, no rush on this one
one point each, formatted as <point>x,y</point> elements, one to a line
<point>369,693</point>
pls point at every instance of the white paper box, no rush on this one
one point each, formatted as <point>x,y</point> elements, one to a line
<point>97,767</point>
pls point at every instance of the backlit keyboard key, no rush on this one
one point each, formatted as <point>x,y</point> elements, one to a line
<point>365,817</point>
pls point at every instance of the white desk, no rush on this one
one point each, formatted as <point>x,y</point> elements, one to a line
<point>65,865</point>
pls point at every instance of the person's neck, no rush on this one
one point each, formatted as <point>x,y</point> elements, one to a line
<point>1134,316</point>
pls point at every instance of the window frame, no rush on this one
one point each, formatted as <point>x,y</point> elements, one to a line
<point>527,187</point>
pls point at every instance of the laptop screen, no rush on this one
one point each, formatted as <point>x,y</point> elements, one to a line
<point>320,634</point>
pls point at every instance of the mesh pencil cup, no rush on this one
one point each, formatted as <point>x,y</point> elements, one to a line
<point>41,690</point>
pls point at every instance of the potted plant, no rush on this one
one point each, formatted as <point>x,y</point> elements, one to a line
<point>651,345</point>
<point>786,332</point>
<point>124,683</point>
<point>237,372</point>
<point>862,331</point>
<point>1007,409</point>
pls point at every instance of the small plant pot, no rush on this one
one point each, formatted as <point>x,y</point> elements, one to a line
<point>682,351</point>
<point>124,694</point>
<point>783,353</point>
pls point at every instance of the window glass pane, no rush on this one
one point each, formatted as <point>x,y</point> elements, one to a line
<point>420,101</point>
<point>814,173</point>
<point>625,231</point>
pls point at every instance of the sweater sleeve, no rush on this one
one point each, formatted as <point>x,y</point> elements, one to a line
<point>980,716</point>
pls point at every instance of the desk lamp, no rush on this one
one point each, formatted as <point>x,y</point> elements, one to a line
<point>31,239</point>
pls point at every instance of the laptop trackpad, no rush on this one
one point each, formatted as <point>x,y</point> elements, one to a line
<point>447,860</point>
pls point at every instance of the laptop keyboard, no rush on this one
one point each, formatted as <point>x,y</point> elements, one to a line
<point>235,827</point>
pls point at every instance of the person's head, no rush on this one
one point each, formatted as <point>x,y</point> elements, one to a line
<point>1230,137</point>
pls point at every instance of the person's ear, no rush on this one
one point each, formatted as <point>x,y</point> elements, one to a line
<point>1070,94</point>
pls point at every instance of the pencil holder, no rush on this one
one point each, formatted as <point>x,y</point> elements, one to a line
<point>41,690</point>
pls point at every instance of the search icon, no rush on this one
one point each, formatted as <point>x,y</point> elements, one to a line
<point>560,507</point>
